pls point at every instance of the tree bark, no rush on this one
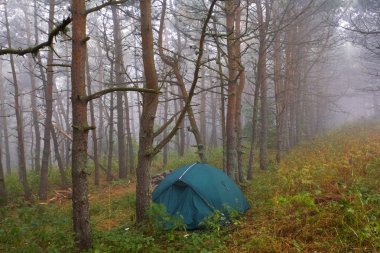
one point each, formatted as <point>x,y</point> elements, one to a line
<point>222,102</point>
<point>150,103</point>
<point>131,158</point>
<point>288,86</point>
<point>110,127</point>
<point>68,127</point>
<point>110,139</point>
<point>37,133</point>
<point>277,84</point>
<point>4,121</point>
<point>93,123</point>
<point>58,157</point>
<point>232,90</point>
<point>252,151</point>
<point>119,95</point>
<point>81,215</point>
<point>239,93</point>
<point>101,129</point>
<point>213,136</point>
<point>180,136</point>
<point>261,80</point>
<point>19,118</point>
<point>3,191</point>
<point>63,119</point>
<point>182,133</point>
<point>166,111</point>
<point>43,187</point>
<point>202,118</point>
<point>33,102</point>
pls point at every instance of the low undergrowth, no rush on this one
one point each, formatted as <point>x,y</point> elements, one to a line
<point>323,197</point>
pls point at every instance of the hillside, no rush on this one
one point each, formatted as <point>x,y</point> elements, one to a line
<point>323,197</point>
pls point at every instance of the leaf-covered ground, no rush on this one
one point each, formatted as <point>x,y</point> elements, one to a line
<point>323,197</point>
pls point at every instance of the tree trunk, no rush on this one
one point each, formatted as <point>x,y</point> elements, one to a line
<point>288,87</point>
<point>222,102</point>
<point>43,187</point>
<point>190,115</point>
<point>63,120</point>
<point>174,64</point>
<point>376,105</point>
<point>213,136</point>
<point>202,118</point>
<point>119,95</point>
<point>239,93</point>
<point>58,157</point>
<point>33,102</point>
<point>110,140</point>
<point>101,129</point>
<point>261,80</point>
<point>180,136</point>
<point>36,126</point>
<point>93,123</point>
<point>3,191</point>
<point>6,142</point>
<point>277,84</point>
<point>68,127</point>
<point>110,128</point>
<point>298,88</point>
<point>4,121</point>
<point>150,103</point>
<point>166,111</point>
<point>252,150</point>
<point>19,118</point>
<point>81,215</point>
<point>299,112</point>
<point>232,89</point>
<point>131,158</point>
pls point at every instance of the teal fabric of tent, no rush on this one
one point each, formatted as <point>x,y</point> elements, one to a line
<point>196,191</point>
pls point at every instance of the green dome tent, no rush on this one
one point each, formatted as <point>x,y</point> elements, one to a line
<point>196,191</point>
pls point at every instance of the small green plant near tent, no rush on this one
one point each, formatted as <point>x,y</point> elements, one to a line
<point>161,220</point>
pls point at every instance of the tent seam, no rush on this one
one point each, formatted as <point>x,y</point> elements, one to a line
<point>186,171</point>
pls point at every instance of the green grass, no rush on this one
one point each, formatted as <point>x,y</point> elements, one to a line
<point>323,197</point>
<point>35,229</point>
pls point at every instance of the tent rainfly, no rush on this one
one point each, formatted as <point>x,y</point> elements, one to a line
<point>196,191</point>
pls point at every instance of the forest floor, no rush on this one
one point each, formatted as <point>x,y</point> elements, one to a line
<point>323,197</point>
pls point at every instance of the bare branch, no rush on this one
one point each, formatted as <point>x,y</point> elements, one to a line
<point>198,64</point>
<point>69,137</point>
<point>106,91</point>
<point>34,49</point>
<point>110,2</point>
<point>164,126</point>
<point>55,32</point>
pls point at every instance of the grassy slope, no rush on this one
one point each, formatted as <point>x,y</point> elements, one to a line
<point>323,197</point>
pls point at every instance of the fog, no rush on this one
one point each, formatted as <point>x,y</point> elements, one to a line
<point>298,68</point>
<point>352,87</point>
